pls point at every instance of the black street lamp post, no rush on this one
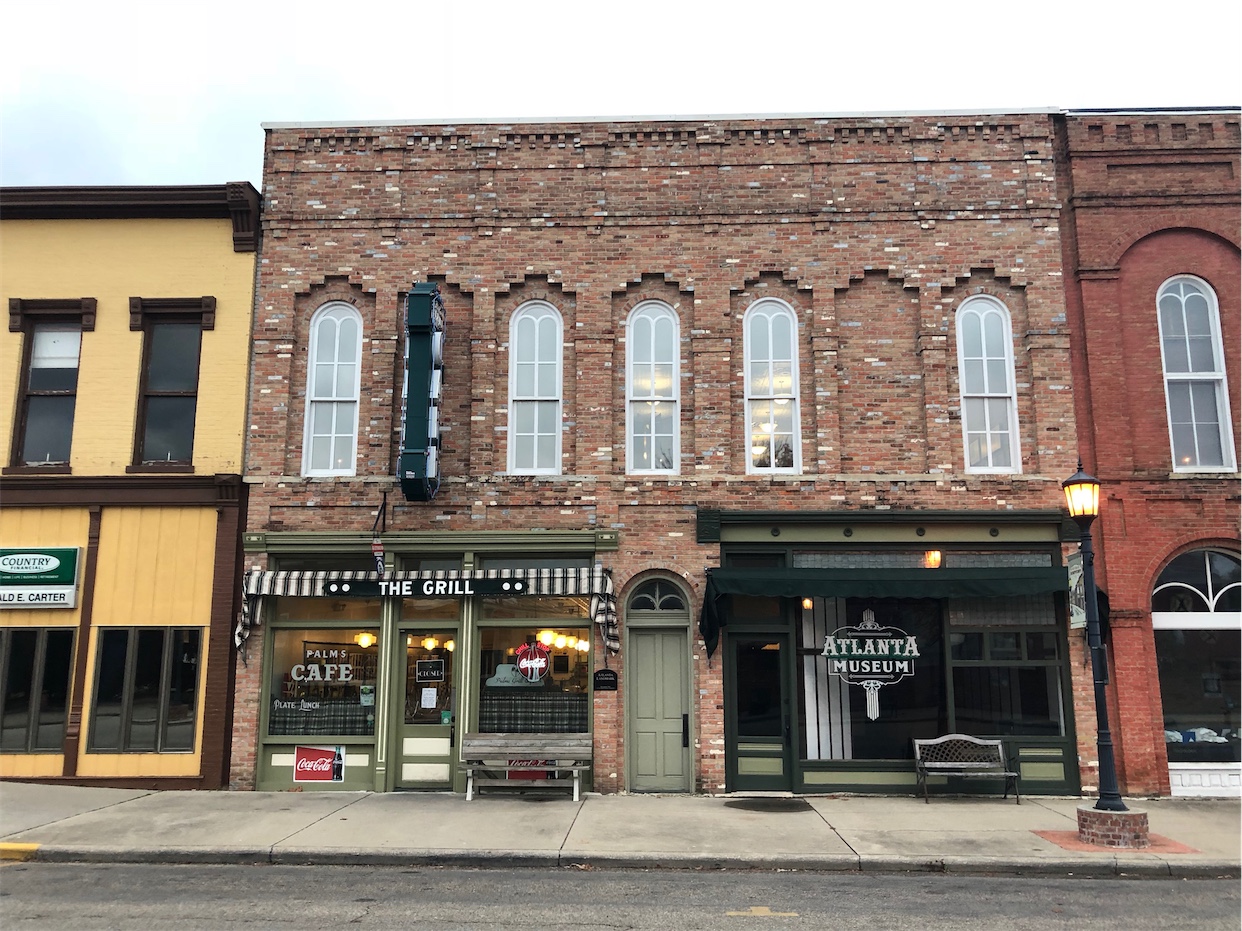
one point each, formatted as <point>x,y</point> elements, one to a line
<point>1082,494</point>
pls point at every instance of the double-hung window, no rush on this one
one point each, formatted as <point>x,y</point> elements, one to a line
<point>772,415</point>
<point>1194,376</point>
<point>986,381</point>
<point>51,394</point>
<point>48,390</point>
<point>332,388</point>
<point>168,393</point>
<point>535,390</point>
<point>652,408</point>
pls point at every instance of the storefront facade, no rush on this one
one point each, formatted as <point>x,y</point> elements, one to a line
<point>782,329</point>
<point>845,636</point>
<point>1156,258</point>
<point>380,673</point>
<point>123,503</point>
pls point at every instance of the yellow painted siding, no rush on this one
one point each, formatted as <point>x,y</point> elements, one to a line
<point>31,765</point>
<point>155,567</point>
<point>112,261</point>
<point>128,765</point>
<point>38,527</point>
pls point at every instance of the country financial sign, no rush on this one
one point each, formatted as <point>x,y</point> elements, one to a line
<point>39,577</point>
<point>871,656</point>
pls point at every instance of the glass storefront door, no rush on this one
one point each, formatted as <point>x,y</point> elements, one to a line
<point>759,713</point>
<point>426,709</point>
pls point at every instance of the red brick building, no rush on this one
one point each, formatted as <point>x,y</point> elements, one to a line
<point>1151,236</point>
<point>795,395</point>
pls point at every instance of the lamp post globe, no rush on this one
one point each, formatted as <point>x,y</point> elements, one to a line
<point>1082,497</point>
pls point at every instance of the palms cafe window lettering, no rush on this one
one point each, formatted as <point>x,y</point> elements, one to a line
<point>323,683</point>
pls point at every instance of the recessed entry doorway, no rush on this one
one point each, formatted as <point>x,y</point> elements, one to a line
<point>758,718</point>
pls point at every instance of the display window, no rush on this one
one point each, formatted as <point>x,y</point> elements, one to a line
<point>146,689</point>
<point>1197,625</point>
<point>990,681</point>
<point>323,681</point>
<point>534,679</point>
<point>34,688</point>
<point>1201,690</point>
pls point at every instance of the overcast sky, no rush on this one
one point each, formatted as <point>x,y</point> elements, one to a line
<point>175,92</point>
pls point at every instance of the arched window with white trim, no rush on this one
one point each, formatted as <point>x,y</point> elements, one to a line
<point>535,384</point>
<point>986,382</point>
<point>1193,358</point>
<point>652,390</point>
<point>332,388</point>
<point>772,415</point>
<point>1196,616</point>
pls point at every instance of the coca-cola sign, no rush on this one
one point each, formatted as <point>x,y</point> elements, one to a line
<point>532,661</point>
<point>319,764</point>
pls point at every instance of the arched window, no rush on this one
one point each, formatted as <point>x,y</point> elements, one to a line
<point>1208,581</point>
<point>986,382</point>
<point>772,415</point>
<point>535,390</point>
<point>1196,616</point>
<point>657,595</point>
<point>652,390</point>
<point>1194,376</point>
<point>332,386</point>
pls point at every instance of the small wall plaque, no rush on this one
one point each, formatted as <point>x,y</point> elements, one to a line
<point>605,680</point>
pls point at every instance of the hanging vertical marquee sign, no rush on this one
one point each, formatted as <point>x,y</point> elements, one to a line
<point>871,656</point>
<point>418,469</point>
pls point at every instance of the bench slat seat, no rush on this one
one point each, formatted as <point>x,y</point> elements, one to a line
<point>495,757</point>
<point>961,755</point>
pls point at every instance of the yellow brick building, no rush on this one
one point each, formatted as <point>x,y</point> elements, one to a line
<point>124,377</point>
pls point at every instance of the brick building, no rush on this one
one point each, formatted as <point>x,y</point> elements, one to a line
<point>1151,236</point>
<point>127,353</point>
<point>712,398</point>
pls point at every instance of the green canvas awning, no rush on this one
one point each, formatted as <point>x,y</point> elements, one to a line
<point>870,583</point>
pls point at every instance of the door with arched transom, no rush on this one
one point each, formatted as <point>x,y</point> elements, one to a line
<point>658,689</point>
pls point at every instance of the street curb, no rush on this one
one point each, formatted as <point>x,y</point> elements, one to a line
<point>18,852</point>
<point>1105,867</point>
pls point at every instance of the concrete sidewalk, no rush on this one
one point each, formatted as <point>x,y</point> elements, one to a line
<point>1191,837</point>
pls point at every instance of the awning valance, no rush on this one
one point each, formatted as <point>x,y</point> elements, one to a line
<point>871,583</point>
<point>595,583</point>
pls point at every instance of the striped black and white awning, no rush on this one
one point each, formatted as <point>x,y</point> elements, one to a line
<point>596,583</point>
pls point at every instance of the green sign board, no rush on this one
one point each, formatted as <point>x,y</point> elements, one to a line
<point>39,577</point>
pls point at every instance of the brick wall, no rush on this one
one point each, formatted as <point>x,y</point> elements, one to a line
<point>872,230</point>
<point>1151,196</point>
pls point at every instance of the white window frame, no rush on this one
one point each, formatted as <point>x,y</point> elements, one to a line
<point>655,312</point>
<point>336,312</point>
<point>1217,377</point>
<point>536,314</point>
<point>987,308</point>
<point>763,313</point>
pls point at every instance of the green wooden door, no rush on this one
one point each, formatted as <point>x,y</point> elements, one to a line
<point>659,711</point>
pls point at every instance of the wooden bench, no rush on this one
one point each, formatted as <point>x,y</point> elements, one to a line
<point>963,755</point>
<point>495,758</point>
